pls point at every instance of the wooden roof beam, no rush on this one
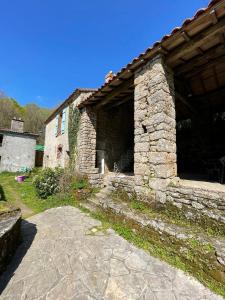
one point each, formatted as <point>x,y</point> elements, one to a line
<point>214,16</point>
<point>185,36</point>
<point>196,41</point>
<point>215,93</point>
<point>201,68</point>
<point>124,100</point>
<point>221,37</point>
<point>212,53</point>
<point>115,93</point>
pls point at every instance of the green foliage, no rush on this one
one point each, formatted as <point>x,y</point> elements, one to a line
<point>80,184</point>
<point>47,182</point>
<point>24,195</point>
<point>138,205</point>
<point>74,123</point>
<point>33,116</point>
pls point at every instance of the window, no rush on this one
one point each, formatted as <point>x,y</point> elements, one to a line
<point>1,140</point>
<point>60,123</point>
<point>59,151</point>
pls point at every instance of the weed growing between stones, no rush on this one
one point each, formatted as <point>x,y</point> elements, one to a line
<point>171,213</point>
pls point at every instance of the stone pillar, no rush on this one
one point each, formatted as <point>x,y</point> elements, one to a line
<point>155,129</point>
<point>87,141</point>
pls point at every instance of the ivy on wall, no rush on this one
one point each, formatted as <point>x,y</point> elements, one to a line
<point>74,123</point>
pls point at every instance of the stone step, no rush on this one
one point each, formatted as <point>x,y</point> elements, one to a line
<point>209,250</point>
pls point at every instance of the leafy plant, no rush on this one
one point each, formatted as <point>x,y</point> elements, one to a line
<point>80,184</point>
<point>47,182</point>
<point>74,123</point>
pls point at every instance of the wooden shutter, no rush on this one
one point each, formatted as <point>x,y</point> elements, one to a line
<point>63,121</point>
<point>56,125</point>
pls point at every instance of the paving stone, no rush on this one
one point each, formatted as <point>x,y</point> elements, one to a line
<point>80,266</point>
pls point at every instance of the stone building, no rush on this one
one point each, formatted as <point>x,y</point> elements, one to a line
<point>157,126</point>
<point>17,148</point>
<point>56,151</point>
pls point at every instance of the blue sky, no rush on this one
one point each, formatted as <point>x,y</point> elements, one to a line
<point>50,47</point>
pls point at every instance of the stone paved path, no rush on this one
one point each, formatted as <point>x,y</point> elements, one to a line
<point>65,256</point>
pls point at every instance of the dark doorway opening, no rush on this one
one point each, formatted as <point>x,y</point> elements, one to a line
<point>115,137</point>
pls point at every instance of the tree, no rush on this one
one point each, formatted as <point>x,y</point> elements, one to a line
<point>8,110</point>
<point>33,116</point>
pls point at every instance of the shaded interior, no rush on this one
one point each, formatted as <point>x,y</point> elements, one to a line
<point>200,115</point>
<point>115,135</point>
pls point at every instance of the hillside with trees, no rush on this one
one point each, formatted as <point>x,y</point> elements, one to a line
<point>33,115</point>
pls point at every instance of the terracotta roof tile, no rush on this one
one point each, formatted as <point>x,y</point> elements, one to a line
<point>61,106</point>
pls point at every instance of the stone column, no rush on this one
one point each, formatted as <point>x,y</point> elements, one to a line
<point>155,129</point>
<point>87,141</point>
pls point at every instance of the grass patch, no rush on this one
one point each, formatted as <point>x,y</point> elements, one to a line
<point>23,195</point>
<point>4,206</point>
<point>171,214</point>
<point>16,193</point>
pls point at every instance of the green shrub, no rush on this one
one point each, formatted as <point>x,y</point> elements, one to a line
<point>47,182</point>
<point>79,184</point>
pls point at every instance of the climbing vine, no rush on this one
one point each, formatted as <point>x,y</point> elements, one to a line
<point>74,123</point>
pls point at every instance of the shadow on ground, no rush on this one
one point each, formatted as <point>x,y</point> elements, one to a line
<point>2,194</point>
<point>28,232</point>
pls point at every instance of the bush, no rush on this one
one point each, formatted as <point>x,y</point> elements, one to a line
<point>47,182</point>
<point>71,181</point>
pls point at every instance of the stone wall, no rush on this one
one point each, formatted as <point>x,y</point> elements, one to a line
<point>86,142</point>
<point>122,182</point>
<point>197,201</point>
<point>9,235</point>
<point>155,129</point>
<point>52,141</point>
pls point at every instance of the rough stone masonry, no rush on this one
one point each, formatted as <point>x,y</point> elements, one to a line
<point>155,159</point>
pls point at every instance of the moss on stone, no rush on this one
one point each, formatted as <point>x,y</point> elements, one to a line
<point>4,207</point>
<point>188,256</point>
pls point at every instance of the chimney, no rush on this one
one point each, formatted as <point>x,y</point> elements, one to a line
<point>17,125</point>
<point>109,76</point>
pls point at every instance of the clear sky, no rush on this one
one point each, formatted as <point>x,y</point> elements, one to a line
<point>50,47</point>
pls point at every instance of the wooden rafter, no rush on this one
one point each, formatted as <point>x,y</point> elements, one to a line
<point>196,41</point>
<point>212,94</point>
<point>214,16</point>
<point>116,92</point>
<point>210,54</point>
<point>203,67</point>
<point>118,103</point>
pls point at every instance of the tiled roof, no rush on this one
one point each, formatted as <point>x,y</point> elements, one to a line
<point>176,30</point>
<point>5,130</point>
<point>68,101</point>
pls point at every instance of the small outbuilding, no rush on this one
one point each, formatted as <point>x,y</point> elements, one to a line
<point>17,148</point>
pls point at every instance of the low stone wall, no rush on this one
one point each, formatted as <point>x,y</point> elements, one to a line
<point>121,182</point>
<point>9,235</point>
<point>96,179</point>
<point>198,203</point>
<point>196,197</point>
